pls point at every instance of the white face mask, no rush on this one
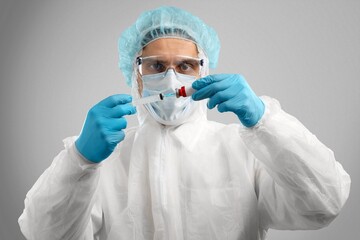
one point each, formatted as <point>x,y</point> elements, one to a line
<point>172,110</point>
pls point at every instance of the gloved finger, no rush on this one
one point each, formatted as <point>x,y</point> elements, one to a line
<point>235,105</point>
<point>212,89</point>
<point>205,81</point>
<point>113,138</point>
<point>121,110</point>
<point>115,100</point>
<point>220,83</point>
<point>114,124</point>
<point>222,96</point>
<point>247,115</point>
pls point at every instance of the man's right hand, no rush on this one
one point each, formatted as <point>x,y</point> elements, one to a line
<point>103,127</point>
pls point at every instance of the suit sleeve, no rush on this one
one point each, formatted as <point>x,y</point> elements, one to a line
<point>299,183</point>
<point>59,205</point>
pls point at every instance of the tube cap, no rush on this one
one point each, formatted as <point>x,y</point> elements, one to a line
<point>184,91</point>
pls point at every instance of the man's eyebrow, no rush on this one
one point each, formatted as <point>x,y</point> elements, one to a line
<point>158,60</point>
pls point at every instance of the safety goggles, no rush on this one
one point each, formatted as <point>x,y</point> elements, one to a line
<point>161,63</point>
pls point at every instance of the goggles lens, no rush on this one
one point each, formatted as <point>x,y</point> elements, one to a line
<point>160,64</point>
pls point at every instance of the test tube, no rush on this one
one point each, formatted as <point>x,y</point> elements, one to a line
<point>184,91</point>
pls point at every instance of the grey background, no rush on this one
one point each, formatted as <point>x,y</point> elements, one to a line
<point>58,58</point>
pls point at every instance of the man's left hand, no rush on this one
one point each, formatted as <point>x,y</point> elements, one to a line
<point>230,92</point>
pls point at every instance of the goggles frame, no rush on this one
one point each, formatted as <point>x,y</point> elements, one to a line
<point>161,59</point>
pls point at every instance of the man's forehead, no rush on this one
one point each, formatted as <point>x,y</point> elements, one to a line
<point>170,46</point>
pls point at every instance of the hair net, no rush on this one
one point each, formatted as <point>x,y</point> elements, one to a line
<point>165,22</point>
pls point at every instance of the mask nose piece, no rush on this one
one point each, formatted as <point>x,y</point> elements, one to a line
<point>171,78</point>
<point>170,72</point>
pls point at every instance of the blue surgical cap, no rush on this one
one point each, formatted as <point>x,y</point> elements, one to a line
<point>165,22</point>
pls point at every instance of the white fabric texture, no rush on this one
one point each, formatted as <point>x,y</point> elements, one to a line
<point>199,180</point>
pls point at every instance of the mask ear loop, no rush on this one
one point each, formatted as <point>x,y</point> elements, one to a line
<point>205,64</point>
<point>202,105</point>
<point>135,76</point>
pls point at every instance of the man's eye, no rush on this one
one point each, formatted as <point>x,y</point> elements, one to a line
<point>185,67</point>
<point>159,67</point>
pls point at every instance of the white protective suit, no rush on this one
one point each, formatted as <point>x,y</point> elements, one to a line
<point>199,180</point>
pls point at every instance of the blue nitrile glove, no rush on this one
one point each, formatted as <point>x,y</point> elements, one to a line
<point>102,129</point>
<point>232,93</point>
